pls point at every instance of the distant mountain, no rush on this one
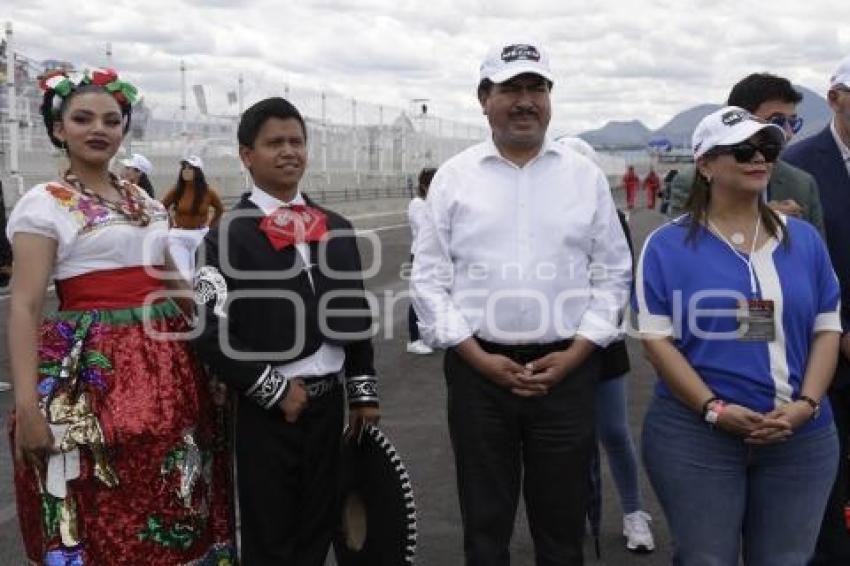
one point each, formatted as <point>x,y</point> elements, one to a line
<point>631,134</point>
<point>679,129</point>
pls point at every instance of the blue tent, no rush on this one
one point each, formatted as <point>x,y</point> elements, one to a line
<point>659,144</point>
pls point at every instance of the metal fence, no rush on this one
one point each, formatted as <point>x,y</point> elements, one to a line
<point>356,149</point>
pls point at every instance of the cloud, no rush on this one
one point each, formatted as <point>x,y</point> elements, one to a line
<point>648,59</point>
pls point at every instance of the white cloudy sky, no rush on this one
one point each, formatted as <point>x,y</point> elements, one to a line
<point>614,60</point>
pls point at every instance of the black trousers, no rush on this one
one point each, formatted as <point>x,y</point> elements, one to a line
<point>287,479</point>
<point>412,327</point>
<point>497,437</point>
<point>833,548</point>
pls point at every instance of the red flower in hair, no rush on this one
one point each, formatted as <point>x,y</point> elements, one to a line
<point>42,80</point>
<point>102,77</point>
<point>119,96</point>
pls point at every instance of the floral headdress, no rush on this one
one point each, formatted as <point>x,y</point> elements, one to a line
<point>61,84</point>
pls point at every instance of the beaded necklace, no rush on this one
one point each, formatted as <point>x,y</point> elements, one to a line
<point>131,206</point>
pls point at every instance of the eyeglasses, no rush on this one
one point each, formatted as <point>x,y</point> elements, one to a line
<point>744,152</point>
<point>794,122</point>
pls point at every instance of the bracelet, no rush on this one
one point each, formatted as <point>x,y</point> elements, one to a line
<point>815,405</point>
<point>706,404</point>
<point>714,412</point>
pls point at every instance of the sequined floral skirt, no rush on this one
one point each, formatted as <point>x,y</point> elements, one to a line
<point>143,476</point>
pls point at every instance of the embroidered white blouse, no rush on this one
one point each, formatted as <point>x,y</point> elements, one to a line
<point>89,236</point>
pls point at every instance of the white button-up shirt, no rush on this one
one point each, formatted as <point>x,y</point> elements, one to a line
<point>513,255</point>
<point>416,211</point>
<point>329,358</point>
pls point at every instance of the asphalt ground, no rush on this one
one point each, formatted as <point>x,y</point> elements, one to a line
<point>414,416</point>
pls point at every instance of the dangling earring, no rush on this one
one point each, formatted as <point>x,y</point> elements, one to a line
<point>64,159</point>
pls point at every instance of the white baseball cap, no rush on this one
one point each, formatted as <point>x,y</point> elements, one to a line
<point>728,126</point>
<point>841,77</point>
<point>194,161</point>
<point>507,60</point>
<point>140,162</point>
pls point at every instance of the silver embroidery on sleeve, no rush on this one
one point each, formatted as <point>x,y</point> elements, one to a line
<point>210,284</point>
<point>362,389</point>
<point>268,389</point>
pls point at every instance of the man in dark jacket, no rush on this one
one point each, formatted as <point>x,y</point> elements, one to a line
<point>285,316</point>
<point>826,156</point>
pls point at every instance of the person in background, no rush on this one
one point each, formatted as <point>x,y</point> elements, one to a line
<point>651,185</point>
<point>668,183</point>
<point>194,208</point>
<point>116,456</point>
<point>791,190</point>
<point>5,245</point>
<point>521,281</point>
<point>631,183</point>
<point>826,156</point>
<point>415,210</point>
<point>5,261</point>
<point>612,423</point>
<point>137,170</point>
<point>738,308</point>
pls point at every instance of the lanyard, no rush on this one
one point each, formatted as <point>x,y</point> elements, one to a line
<point>747,260</point>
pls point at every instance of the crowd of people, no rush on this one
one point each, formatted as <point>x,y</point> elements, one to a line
<point>522,269</point>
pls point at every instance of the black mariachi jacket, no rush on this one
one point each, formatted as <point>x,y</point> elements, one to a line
<point>258,301</point>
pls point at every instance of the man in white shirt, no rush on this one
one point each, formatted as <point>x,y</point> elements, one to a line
<point>520,271</point>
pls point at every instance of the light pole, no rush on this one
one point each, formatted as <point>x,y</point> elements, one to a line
<point>12,120</point>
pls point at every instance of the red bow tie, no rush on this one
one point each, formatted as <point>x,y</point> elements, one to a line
<point>296,224</point>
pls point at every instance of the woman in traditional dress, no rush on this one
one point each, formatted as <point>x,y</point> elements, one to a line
<point>118,459</point>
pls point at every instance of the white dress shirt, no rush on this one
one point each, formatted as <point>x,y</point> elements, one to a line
<point>842,147</point>
<point>531,254</point>
<point>416,211</point>
<point>329,358</point>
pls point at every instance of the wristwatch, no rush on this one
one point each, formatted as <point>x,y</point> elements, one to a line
<point>815,405</point>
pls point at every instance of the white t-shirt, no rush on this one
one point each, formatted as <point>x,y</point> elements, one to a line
<point>89,236</point>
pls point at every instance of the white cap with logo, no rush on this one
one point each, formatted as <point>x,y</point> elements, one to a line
<point>194,161</point>
<point>140,162</point>
<point>842,75</point>
<point>729,126</point>
<point>507,60</point>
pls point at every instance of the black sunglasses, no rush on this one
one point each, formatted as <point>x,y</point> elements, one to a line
<point>794,122</point>
<point>744,152</point>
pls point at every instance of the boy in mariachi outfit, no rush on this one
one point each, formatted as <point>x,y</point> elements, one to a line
<point>285,314</point>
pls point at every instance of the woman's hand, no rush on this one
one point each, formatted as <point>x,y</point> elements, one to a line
<point>33,439</point>
<point>794,414</point>
<point>739,420</point>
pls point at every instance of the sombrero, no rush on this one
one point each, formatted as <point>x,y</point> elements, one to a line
<point>377,524</point>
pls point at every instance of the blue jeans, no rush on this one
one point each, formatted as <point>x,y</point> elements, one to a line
<point>723,498</point>
<point>612,427</point>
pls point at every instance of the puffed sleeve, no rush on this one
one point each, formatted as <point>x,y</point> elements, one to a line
<point>40,212</point>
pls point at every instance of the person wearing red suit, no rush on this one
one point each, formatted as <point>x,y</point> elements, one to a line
<point>631,182</point>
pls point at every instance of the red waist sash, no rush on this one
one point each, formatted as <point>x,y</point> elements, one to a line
<point>121,288</point>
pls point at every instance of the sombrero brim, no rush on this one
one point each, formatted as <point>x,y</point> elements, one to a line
<point>378,514</point>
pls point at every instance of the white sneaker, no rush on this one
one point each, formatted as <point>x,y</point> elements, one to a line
<point>637,532</point>
<point>418,347</point>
